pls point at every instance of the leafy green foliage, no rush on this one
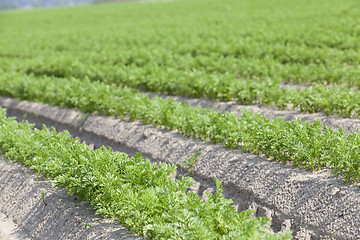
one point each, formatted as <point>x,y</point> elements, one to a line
<point>312,146</point>
<point>139,194</point>
<point>191,161</point>
<point>224,50</point>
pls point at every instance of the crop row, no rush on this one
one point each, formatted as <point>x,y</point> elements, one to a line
<point>330,100</point>
<point>139,194</point>
<point>337,99</point>
<point>221,50</point>
<point>213,64</point>
<point>312,146</point>
<point>246,40</point>
<point>319,98</point>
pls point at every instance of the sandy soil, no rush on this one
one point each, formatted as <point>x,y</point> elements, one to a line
<point>315,205</point>
<point>9,230</point>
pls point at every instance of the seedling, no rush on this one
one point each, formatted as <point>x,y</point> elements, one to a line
<point>43,197</point>
<point>191,161</point>
<point>86,225</point>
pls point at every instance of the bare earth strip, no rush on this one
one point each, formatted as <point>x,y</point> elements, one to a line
<point>315,205</point>
<point>25,214</point>
<point>350,125</point>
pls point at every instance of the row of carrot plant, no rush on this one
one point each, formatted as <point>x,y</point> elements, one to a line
<point>314,42</point>
<point>312,146</point>
<point>337,99</point>
<point>221,50</point>
<point>139,194</point>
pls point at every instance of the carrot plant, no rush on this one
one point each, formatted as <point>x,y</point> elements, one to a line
<point>133,191</point>
<point>335,100</point>
<point>198,53</point>
<point>311,146</point>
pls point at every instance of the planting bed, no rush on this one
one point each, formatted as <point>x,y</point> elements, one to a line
<point>316,205</point>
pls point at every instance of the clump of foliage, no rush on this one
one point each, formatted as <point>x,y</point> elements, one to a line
<point>139,194</point>
<point>312,146</point>
<point>228,50</point>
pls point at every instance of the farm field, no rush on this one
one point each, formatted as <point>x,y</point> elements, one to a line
<point>240,78</point>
